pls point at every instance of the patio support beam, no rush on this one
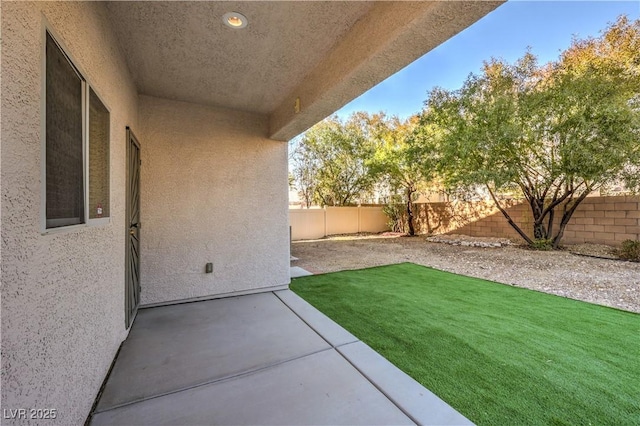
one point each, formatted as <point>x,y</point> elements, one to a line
<point>389,37</point>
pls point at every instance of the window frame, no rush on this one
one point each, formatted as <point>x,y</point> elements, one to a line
<point>86,87</point>
<point>87,181</point>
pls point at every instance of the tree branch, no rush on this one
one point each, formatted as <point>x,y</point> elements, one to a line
<point>506,215</point>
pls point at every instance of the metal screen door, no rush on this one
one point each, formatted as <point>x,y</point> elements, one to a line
<point>132,263</point>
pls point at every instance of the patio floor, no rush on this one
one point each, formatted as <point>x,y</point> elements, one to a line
<point>268,358</point>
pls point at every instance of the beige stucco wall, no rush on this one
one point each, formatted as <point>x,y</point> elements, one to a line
<point>307,224</point>
<point>373,219</point>
<point>63,293</point>
<point>214,189</point>
<point>318,223</point>
<point>342,220</point>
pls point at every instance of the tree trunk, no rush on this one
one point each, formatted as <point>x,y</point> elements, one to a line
<point>412,231</point>
<point>539,231</point>
<point>566,217</point>
<point>550,224</point>
<point>506,215</point>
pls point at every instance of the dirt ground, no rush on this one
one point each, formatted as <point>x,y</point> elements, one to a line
<point>606,282</point>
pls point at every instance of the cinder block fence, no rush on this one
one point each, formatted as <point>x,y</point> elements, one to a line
<point>599,220</point>
<point>605,220</point>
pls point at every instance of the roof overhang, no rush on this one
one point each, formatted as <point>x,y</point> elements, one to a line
<point>296,62</point>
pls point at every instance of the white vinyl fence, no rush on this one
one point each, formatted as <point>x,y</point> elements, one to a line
<point>307,224</point>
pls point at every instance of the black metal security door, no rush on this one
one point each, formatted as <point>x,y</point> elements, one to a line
<point>132,264</point>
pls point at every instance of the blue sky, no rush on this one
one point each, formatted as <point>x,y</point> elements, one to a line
<point>545,26</point>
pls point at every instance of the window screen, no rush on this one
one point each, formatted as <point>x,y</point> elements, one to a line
<point>98,158</point>
<point>64,161</point>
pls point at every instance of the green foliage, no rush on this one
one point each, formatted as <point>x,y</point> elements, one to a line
<point>393,211</point>
<point>331,162</point>
<point>304,174</point>
<point>552,133</point>
<point>542,244</point>
<point>340,163</point>
<point>394,160</point>
<point>630,250</point>
<point>395,163</point>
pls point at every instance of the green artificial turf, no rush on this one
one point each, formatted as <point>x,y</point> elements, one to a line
<point>500,355</point>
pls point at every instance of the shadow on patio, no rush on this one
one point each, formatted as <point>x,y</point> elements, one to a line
<point>268,358</point>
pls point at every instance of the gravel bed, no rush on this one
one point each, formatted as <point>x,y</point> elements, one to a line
<point>606,282</point>
<point>468,241</point>
<point>595,250</point>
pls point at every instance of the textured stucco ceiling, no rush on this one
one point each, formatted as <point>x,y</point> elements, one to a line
<point>324,53</point>
<point>182,50</point>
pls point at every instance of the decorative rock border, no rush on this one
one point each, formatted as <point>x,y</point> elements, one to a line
<point>468,241</point>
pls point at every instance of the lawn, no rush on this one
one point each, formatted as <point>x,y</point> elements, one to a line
<point>500,355</point>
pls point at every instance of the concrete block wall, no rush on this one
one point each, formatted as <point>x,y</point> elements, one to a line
<point>477,217</point>
<point>598,220</point>
<point>605,220</point>
<point>496,225</point>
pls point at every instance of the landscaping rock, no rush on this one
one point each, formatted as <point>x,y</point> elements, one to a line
<point>606,282</point>
<point>468,241</point>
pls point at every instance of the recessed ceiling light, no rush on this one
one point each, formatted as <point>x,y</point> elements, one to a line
<point>235,20</point>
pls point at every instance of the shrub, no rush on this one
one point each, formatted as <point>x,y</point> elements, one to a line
<point>395,216</point>
<point>542,244</point>
<point>630,250</point>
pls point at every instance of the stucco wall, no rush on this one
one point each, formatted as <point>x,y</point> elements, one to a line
<point>318,223</point>
<point>307,224</point>
<point>373,219</point>
<point>343,220</point>
<point>63,293</point>
<point>206,174</point>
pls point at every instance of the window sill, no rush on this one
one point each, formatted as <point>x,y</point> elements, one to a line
<point>92,223</point>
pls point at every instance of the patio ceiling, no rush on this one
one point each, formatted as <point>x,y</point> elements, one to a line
<point>324,53</point>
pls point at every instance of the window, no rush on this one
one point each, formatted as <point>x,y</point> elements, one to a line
<point>76,145</point>
<point>98,158</point>
<point>64,164</point>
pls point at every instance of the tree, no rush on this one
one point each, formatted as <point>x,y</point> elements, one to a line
<point>551,134</point>
<point>331,164</point>
<point>396,163</point>
<point>304,174</point>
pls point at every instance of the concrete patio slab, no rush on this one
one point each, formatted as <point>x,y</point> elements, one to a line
<point>268,358</point>
<point>415,400</point>
<point>287,394</point>
<point>297,271</point>
<point>180,346</point>
<point>319,322</point>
